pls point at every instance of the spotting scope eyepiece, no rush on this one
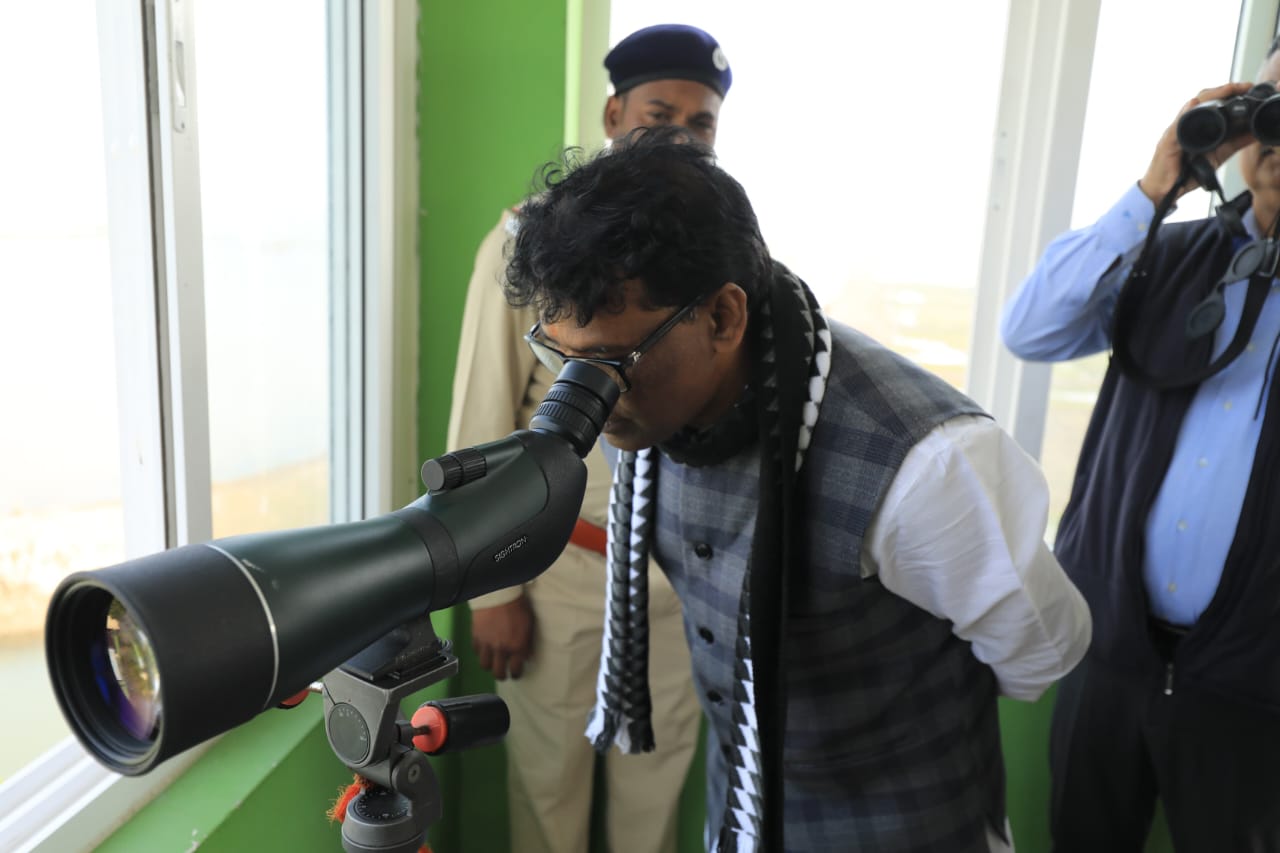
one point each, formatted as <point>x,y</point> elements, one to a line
<point>158,654</point>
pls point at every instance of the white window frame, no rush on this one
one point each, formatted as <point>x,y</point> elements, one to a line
<point>1039,124</point>
<point>65,800</point>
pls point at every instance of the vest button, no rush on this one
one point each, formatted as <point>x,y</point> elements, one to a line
<point>706,634</point>
<point>702,550</point>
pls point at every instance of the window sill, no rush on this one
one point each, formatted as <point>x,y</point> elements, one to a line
<point>67,801</point>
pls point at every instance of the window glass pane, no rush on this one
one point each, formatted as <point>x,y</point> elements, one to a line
<point>1125,116</point>
<point>60,497</point>
<point>864,142</point>
<point>262,95</point>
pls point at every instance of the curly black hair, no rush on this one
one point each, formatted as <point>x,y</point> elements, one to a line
<point>653,207</point>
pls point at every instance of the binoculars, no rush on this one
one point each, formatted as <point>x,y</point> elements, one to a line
<point>1206,126</point>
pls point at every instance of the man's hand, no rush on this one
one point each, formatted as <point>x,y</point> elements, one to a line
<point>503,637</point>
<point>1166,163</point>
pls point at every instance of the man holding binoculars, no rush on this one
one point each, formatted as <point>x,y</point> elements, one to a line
<point>1170,532</point>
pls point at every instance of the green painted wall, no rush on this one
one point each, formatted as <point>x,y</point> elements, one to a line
<point>1024,734</point>
<point>491,109</point>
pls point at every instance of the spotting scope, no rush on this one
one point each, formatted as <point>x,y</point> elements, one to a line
<point>158,654</point>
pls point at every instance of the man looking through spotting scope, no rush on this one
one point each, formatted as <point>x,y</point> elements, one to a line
<point>857,547</point>
<point>542,641</point>
<point>1170,530</point>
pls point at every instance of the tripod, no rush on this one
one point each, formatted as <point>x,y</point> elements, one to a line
<point>361,708</point>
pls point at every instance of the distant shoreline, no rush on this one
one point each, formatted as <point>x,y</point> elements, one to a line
<point>22,610</point>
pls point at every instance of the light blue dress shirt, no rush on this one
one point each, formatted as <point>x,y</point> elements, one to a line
<point>1061,312</point>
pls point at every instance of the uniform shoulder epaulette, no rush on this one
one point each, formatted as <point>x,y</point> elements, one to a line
<point>513,221</point>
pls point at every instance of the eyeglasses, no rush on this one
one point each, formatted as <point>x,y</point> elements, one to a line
<point>617,368</point>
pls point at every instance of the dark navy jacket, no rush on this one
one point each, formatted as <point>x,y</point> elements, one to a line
<point>1234,648</point>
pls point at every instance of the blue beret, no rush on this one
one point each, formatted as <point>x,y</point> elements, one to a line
<point>668,52</point>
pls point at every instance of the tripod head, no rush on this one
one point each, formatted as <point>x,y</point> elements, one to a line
<point>361,708</point>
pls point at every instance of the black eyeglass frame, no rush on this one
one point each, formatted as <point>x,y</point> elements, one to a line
<point>548,355</point>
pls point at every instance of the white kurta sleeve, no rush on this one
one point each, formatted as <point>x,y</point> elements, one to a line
<point>960,533</point>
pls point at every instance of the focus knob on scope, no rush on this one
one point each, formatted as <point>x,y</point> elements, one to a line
<point>453,470</point>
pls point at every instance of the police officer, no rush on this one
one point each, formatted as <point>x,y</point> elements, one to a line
<point>542,641</point>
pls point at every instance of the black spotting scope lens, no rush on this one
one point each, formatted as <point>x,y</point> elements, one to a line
<point>106,678</point>
<point>129,681</point>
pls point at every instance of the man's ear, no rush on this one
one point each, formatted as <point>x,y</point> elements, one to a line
<point>727,308</point>
<point>613,116</point>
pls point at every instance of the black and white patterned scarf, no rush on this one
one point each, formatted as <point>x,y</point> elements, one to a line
<point>791,348</point>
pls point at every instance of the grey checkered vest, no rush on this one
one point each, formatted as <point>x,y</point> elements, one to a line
<point>892,739</point>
